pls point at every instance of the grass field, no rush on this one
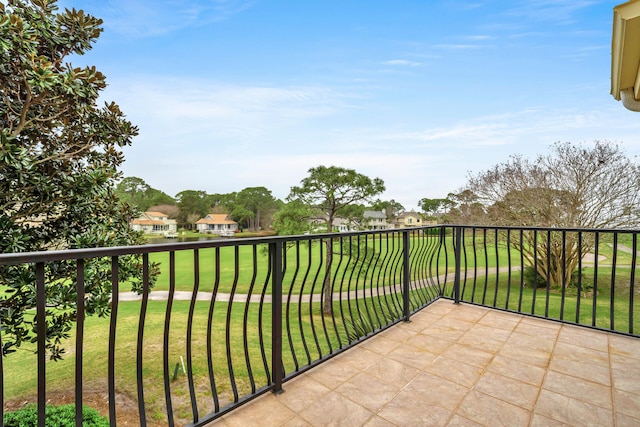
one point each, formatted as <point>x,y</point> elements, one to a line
<point>247,329</point>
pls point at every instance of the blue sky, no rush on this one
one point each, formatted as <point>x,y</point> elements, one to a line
<point>231,94</point>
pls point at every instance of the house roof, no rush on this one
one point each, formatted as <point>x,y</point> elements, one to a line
<point>155,213</point>
<point>408,214</point>
<point>625,54</point>
<point>215,219</point>
<point>375,214</point>
<point>151,218</point>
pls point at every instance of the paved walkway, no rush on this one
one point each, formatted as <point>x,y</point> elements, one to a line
<point>463,365</point>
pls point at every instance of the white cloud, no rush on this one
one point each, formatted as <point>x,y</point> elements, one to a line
<point>196,107</point>
<point>479,37</point>
<point>402,62</point>
<point>457,46</point>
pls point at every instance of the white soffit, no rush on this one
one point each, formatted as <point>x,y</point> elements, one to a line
<point>625,49</point>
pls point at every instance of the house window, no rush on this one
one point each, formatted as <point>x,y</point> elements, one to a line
<point>409,220</point>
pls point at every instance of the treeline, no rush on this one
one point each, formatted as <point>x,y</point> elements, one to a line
<point>253,208</point>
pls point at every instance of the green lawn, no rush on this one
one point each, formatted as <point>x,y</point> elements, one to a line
<point>237,268</point>
<point>228,322</point>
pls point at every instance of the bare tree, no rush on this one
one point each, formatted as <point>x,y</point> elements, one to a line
<point>574,186</point>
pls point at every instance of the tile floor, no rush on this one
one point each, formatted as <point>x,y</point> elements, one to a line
<point>462,365</point>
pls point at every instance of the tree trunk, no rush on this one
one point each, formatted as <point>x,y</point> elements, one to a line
<point>327,306</point>
<point>550,263</point>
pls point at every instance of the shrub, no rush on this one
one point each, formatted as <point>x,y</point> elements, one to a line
<point>57,416</point>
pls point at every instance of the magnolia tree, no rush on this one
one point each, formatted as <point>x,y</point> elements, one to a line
<point>59,158</point>
<point>574,186</point>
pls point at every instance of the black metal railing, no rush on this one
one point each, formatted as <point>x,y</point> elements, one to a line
<point>226,320</point>
<point>579,276</point>
<point>218,323</point>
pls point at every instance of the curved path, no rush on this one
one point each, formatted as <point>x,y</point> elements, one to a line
<point>441,280</point>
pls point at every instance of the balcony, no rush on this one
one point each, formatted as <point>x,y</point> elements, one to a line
<point>433,325</point>
<point>465,365</point>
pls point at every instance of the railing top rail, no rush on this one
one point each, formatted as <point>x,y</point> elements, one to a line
<point>84,253</point>
<point>517,227</point>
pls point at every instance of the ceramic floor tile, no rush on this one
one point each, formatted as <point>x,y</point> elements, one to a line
<point>368,391</point>
<point>471,316</point>
<point>626,403</point>
<point>458,372</point>
<point>335,410</point>
<point>361,358</point>
<point>296,422</point>
<point>392,372</point>
<point>535,321</point>
<point>413,356</point>
<point>520,340</point>
<point>398,333</point>
<point>381,345</point>
<point>624,346</point>
<point>469,355</point>
<point>452,324</point>
<point>436,391</point>
<point>525,355</point>
<point>500,321</point>
<point>496,334</point>
<point>300,391</point>
<point>265,411</point>
<point>571,411</point>
<point>517,370</point>
<point>377,421</point>
<point>539,329</point>
<point>480,341</point>
<point>584,338</point>
<point>458,421</point>
<point>443,332</point>
<point>579,353</point>
<point>417,324</point>
<point>430,343</point>
<point>333,373</point>
<point>584,369</point>
<point>442,307</point>
<point>623,420</point>
<point>508,389</point>
<point>626,381</point>
<point>541,421</point>
<point>408,408</point>
<point>578,388</point>
<point>489,411</point>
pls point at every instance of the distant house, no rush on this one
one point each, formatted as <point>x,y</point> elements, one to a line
<point>371,220</point>
<point>408,219</point>
<point>217,224</point>
<point>375,220</point>
<point>155,223</point>
<point>343,225</point>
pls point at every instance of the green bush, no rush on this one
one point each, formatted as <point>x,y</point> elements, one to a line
<point>57,416</point>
